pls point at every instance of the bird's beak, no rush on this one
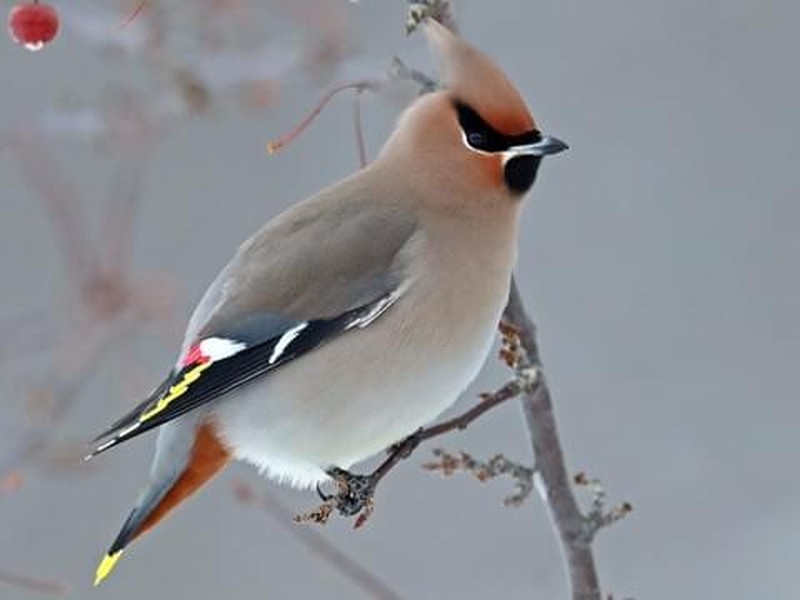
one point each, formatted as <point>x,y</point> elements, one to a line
<point>546,145</point>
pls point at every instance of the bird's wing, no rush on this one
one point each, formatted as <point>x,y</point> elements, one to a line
<point>316,272</point>
<point>217,365</point>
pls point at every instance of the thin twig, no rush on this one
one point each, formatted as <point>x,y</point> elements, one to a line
<point>356,492</point>
<point>400,71</point>
<point>599,516</point>
<point>125,194</point>
<point>278,143</point>
<point>134,14</point>
<point>488,401</point>
<point>359,130</point>
<point>43,175</point>
<point>439,10</point>
<point>447,464</point>
<point>32,584</point>
<point>316,543</point>
<point>66,390</point>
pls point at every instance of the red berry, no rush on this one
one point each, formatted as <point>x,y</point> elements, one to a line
<point>33,25</point>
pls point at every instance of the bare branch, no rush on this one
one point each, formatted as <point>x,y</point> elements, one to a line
<point>488,401</point>
<point>598,517</point>
<point>356,492</point>
<point>448,464</point>
<point>570,524</point>
<point>400,71</point>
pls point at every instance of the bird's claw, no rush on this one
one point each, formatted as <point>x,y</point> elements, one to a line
<point>322,495</point>
<point>355,492</point>
<point>353,497</point>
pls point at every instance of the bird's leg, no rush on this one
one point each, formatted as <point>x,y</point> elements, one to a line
<point>355,493</point>
<point>353,497</point>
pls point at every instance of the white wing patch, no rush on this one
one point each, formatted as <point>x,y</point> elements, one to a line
<point>380,307</point>
<point>284,342</point>
<point>107,444</point>
<point>217,348</point>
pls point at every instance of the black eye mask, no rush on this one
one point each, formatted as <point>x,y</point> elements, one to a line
<point>479,135</point>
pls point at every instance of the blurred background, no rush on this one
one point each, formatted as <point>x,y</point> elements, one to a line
<point>659,258</point>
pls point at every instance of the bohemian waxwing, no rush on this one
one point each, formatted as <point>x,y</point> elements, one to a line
<point>358,315</point>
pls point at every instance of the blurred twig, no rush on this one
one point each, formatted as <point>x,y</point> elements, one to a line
<point>31,584</point>
<point>109,297</point>
<point>43,175</point>
<point>359,130</point>
<point>316,543</point>
<point>60,394</point>
<point>287,138</point>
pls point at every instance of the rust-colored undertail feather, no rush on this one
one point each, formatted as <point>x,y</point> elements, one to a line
<point>207,458</point>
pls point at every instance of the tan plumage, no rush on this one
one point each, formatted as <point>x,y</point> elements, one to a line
<point>360,314</point>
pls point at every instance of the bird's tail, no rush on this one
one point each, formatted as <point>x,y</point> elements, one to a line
<point>176,474</point>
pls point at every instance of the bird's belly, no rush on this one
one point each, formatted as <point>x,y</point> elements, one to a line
<point>297,422</point>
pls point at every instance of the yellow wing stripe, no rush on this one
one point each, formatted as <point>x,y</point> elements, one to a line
<point>175,391</point>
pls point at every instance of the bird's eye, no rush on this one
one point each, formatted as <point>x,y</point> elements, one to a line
<point>480,136</point>
<point>477,139</point>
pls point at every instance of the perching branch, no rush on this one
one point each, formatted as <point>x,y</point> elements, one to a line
<point>355,492</point>
<point>574,530</point>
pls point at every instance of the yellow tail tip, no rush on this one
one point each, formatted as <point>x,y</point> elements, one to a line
<point>106,566</point>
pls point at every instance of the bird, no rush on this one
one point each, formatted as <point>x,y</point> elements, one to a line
<point>358,315</point>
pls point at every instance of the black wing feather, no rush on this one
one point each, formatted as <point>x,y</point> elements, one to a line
<point>230,373</point>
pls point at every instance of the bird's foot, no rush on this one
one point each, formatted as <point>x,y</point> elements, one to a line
<point>355,493</point>
<point>354,496</point>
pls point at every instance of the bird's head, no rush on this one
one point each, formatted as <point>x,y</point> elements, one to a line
<point>478,129</point>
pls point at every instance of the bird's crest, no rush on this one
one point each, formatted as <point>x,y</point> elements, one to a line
<point>476,81</point>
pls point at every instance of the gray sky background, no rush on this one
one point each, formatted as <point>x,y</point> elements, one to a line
<point>659,256</point>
